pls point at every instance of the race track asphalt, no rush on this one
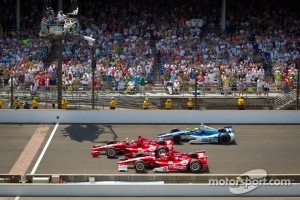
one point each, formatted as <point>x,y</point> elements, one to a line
<point>274,148</point>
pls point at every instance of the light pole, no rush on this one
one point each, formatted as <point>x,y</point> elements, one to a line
<point>12,90</point>
<point>298,82</point>
<point>91,42</point>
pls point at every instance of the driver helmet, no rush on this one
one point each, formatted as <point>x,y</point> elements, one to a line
<point>196,129</point>
<point>187,129</point>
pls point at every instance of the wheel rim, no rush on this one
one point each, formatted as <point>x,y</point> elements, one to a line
<point>195,166</point>
<point>139,166</point>
<point>162,151</point>
<point>111,152</point>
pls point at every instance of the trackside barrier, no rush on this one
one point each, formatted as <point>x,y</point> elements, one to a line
<point>151,116</point>
<point>166,178</point>
<point>139,190</point>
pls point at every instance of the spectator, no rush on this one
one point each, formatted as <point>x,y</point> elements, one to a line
<point>266,87</point>
<point>190,104</point>
<point>241,87</point>
<point>149,79</point>
<point>26,105</point>
<point>241,103</point>
<point>61,17</point>
<point>259,86</point>
<point>112,104</point>
<point>34,103</point>
<point>176,87</point>
<point>233,82</point>
<point>17,103</point>
<point>168,104</point>
<point>146,104</point>
<point>64,103</point>
<point>226,83</point>
<point>142,85</point>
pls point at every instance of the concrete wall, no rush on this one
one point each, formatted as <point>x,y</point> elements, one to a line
<point>150,116</point>
<point>139,190</point>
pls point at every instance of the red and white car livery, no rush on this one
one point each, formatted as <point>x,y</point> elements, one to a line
<point>140,147</point>
<point>172,161</point>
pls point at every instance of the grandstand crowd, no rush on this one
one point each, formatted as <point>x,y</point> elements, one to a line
<point>137,40</point>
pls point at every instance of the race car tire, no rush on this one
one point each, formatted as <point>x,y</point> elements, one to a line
<point>195,166</point>
<point>160,151</point>
<point>193,155</point>
<point>111,142</point>
<point>175,130</point>
<point>224,138</point>
<point>111,152</point>
<point>140,166</point>
<point>176,139</point>
<point>161,142</point>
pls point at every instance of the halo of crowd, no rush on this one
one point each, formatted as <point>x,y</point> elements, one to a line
<point>134,40</point>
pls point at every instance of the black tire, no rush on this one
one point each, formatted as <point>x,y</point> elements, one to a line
<point>224,138</point>
<point>195,166</point>
<point>160,151</point>
<point>140,166</point>
<point>193,155</point>
<point>111,142</point>
<point>161,142</point>
<point>176,139</point>
<point>175,130</point>
<point>111,152</point>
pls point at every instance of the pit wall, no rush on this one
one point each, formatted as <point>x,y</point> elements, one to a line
<point>151,116</point>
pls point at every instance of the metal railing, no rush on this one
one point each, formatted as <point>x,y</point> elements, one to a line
<point>284,99</point>
<point>209,98</point>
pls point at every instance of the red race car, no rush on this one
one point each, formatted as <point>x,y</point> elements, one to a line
<point>172,161</point>
<point>140,147</point>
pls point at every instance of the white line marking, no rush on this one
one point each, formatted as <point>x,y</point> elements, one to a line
<point>44,150</point>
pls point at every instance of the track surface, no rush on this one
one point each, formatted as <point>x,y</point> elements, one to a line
<point>274,148</point>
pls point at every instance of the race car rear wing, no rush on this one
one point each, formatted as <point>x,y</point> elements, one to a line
<point>201,154</point>
<point>229,129</point>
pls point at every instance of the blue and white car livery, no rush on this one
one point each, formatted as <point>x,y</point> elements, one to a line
<point>203,134</point>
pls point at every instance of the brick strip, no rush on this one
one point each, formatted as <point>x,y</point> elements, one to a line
<point>22,164</point>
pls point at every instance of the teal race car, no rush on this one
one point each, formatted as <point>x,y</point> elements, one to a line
<point>202,135</point>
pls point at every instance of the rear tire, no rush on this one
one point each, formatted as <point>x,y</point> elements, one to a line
<point>161,150</point>
<point>224,138</point>
<point>195,166</point>
<point>176,139</point>
<point>140,166</point>
<point>111,152</point>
